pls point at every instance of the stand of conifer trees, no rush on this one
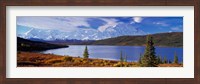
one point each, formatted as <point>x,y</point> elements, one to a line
<point>149,59</point>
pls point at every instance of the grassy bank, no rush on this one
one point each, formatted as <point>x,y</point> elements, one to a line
<point>30,59</point>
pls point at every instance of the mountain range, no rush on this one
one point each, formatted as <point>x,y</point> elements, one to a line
<point>173,39</point>
<point>122,29</point>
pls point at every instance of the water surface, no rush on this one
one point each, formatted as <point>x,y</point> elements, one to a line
<point>113,52</point>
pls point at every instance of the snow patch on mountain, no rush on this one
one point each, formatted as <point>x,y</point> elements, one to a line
<point>83,33</point>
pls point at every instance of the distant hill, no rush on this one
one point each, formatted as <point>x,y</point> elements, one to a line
<point>174,39</point>
<point>28,45</point>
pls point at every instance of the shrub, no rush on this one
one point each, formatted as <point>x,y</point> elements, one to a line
<point>52,61</point>
<point>77,61</point>
<point>121,64</point>
<point>85,62</point>
<point>67,59</point>
<point>117,64</point>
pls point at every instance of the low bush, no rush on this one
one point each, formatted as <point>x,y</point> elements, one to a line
<point>77,61</point>
<point>121,64</point>
<point>67,59</point>
<point>52,61</point>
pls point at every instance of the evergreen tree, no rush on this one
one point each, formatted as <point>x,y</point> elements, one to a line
<point>158,60</point>
<point>149,58</point>
<point>169,61</point>
<point>121,57</point>
<point>175,58</point>
<point>161,61</point>
<point>125,58</point>
<point>140,59</point>
<point>86,54</point>
<point>165,60</point>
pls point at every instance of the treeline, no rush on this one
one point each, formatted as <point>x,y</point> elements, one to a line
<point>149,58</point>
<point>160,60</point>
<point>174,39</point>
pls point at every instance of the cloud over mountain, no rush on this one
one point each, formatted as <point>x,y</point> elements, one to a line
<point>83,34</point>
<point>93,28</point>
<point>137,19</point>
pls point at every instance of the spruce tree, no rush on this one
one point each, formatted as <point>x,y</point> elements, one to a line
<point>169,61</point>
<point>86,54</point>
<point>158,60</point>
<point>121,57</point>
<point>161,61</point>
<point>175,58</point>
<point>125,58</point>
<point>165,60</point>
<point>149,58</point>
<point>140,59</point>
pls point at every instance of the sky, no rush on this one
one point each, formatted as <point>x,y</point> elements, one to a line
<point>149,25</point>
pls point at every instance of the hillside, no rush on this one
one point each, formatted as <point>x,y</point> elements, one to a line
<point>27,45</point>
<point>174,39</point>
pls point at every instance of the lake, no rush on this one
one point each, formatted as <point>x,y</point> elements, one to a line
<point>113,52</point>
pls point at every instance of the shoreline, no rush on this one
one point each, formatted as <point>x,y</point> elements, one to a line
<point>124,45</point>
<point>32,59</point>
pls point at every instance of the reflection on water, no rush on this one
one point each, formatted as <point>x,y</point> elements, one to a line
<point>113,52</point>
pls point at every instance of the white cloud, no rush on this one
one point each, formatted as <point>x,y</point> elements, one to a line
<point>137,19</point>
<point>109,23</point>
<point>178,28</point>
<point>59,23</point>
<point>161,23</point>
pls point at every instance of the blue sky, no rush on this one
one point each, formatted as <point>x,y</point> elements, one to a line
<point>149,25</point>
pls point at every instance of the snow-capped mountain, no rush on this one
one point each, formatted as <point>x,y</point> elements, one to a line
<point>82,33</point>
